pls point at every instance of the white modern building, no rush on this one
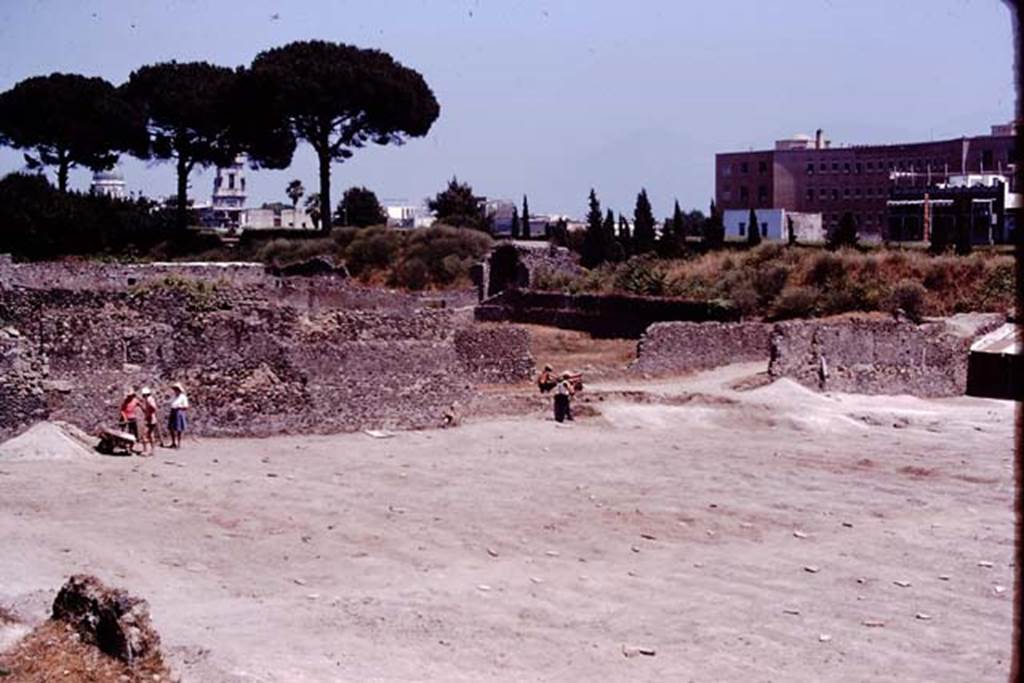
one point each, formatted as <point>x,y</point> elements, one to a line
<point>276,216</point>
<point>773,225</point>
<point>402,214</point>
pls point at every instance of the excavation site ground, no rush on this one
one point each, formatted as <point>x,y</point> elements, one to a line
<point>708,527</point>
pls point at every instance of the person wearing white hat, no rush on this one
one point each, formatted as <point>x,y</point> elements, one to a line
<point>176,421</point>
<point>149,428</point>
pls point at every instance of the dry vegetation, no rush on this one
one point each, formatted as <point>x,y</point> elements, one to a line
<point>54,651</point>
<point>773,281</point>
<point>435,257</point>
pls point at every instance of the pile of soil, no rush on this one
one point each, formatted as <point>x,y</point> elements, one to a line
<point>48,441</point>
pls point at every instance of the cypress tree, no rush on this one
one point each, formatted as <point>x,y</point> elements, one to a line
<point>624,237</point>
<point>678,223</point>
<point>515,223</point>
<point>753,229</point>
<point>714,231</point>
<point>643,224</point>
<point>526,219</point>
<point>845,234</point>
<point>613,248</point>
<point>592,251</point>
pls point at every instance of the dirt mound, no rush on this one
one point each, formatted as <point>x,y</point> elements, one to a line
<point>95,634</point>
<point>48,441</point>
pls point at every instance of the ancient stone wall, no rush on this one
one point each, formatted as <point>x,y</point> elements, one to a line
<point>671,347</point>
<point>495,354</point>
<point>858,355</point>
<point>602,315</point>
<point>870,356</point>
<point>95,275</point>
<point>22,371</point>
<point>252,367</point>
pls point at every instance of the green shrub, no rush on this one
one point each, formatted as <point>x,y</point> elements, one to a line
<point>641,275</point>
<point>796,302</point>
<point>826,268</point>
<point>908,296</point>
<point>411,273</point>
<point>372,249</point>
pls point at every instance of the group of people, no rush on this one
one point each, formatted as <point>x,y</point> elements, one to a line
<point>139,417</point>
<point>564,387</point>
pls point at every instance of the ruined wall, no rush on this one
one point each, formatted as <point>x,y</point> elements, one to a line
<point>684,346</point>
<point>871,356</point>
<point>95,275</point>
<point>857,355</point>
<point>602,315</point>
<point>252,367</point>
<point>22,371</point>
<point>495,354</point>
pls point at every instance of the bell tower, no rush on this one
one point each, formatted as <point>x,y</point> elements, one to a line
<point>229,195</point>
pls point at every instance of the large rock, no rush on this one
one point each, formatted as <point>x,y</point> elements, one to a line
<point>115,622</point>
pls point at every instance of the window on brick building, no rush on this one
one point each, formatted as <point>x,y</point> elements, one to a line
<point>871,166</point>
<point>762,167</point>
<point>743,192</point>
<point>762,193</point>
<point>858,167</point>
<point>727,169</point>
<point>846,167</point>
<point>822,167</point>
<point>835,193</point>
<point>810,168</point>
<point>743,167</point>
<point>846,192</point>
<point>810,194</point>
<point>835,167</point>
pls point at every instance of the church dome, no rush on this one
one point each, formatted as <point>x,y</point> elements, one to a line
<point>108,175</point>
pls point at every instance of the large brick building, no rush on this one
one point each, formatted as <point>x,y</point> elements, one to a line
<point>809,175</point>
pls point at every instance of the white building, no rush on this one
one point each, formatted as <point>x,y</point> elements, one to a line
<point>773,225</point>
<point>227,210</point>
<point>401,214</point>
<point>108,183</point>
<point>277,216</point>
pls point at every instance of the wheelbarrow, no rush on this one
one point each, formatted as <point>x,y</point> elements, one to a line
<point>115,442</point>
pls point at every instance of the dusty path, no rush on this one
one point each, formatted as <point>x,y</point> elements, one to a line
<point>514,549</point>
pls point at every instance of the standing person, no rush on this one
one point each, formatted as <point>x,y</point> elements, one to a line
<point>149,426</point>
<point>176,421</point>
<point>130,409</point>
<point>563,395</point>
<point>546,380</point>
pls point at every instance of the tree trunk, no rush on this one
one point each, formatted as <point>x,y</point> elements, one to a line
<point>181,210</point>
<point>63,166</point>
<point>324,157</point>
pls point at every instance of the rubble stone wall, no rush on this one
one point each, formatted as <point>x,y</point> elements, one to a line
<point>22,399</point>
<point>671,347</point>
<point>495,354</point>
<point>95,275</point>
<point>874,356</point>
<point>602,315</point>
<point>252,367</point>
<point>857,355</point>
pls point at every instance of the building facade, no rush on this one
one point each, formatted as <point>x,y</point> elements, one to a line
<point>809,175</point>
<point>774,224</point>
<point>980,204</point>
<point>108,184</point>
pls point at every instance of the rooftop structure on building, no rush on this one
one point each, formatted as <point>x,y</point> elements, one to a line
<point>109,183</point>
<point>807,174</point>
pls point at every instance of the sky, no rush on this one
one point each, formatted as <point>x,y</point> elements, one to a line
<point>553,98</point>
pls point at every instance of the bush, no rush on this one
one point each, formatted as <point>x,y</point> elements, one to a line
<point>372,249</point>
<point>640,275</point>
<point>826,269</point>
<point>908,296</point>
<point>411,273</point>
<point>796,302</point>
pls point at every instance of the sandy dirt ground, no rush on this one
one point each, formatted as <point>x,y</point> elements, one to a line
<point>771,534</point>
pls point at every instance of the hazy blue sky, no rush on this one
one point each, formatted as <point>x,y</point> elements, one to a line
<point>553,98</point>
